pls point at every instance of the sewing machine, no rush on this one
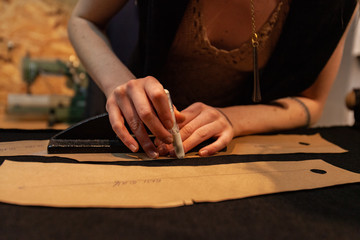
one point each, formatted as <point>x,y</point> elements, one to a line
<point>54,108</point>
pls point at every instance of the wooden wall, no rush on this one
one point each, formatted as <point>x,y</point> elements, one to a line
<point>36,27</point>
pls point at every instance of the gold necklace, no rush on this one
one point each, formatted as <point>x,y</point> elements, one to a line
<point>255,43</point>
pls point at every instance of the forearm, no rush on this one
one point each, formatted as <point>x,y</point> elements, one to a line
<point>96,55</point>
<point>282,114</point>
<point>288,113</point>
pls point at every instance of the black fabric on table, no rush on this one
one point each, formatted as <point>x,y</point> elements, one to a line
<point>326,213</point>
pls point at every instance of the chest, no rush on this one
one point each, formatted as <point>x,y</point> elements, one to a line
<point>229,23</point>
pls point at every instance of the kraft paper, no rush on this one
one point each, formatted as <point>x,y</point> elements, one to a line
<point>93,185</point>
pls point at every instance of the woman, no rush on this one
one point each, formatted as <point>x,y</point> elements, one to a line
<point>204,52</point>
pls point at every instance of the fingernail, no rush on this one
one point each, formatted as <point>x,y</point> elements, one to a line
<point>169,124</point>
<point>153,154</point>
<point>204,153</point>
<point>133,148</point>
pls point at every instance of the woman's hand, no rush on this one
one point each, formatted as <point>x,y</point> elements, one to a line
<point>141,102</point>
<point>202,122</point>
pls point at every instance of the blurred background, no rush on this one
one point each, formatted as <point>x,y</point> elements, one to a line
<point>43,85</point>
<point>36,58</point>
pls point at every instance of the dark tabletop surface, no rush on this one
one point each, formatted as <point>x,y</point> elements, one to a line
<point>326,213</point>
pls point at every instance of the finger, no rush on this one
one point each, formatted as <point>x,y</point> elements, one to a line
<point>137,127</point>
<point>158,142</point>
<point>117,123</point>
<point>163,149</point>
<point>187,128</point>
<point>216,146</point>
<point>180,118</point>
<point>156,93</point>
<point>190,113</point>
<point>200,135</point>
<point>145,142</point>
<point>146,113</point>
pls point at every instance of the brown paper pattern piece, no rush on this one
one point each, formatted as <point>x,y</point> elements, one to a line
<point>89,185</point>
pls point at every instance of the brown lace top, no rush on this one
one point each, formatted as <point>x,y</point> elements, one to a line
<point>198,71</point>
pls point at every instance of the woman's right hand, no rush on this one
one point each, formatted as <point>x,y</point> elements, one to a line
<point>140,102</point>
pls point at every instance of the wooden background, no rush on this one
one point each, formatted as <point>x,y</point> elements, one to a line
<point>36,27</point>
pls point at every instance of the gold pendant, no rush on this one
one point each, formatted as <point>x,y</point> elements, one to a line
<point>256,93</point>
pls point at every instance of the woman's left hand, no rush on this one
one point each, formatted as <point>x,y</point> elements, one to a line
<point>201,123</point>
